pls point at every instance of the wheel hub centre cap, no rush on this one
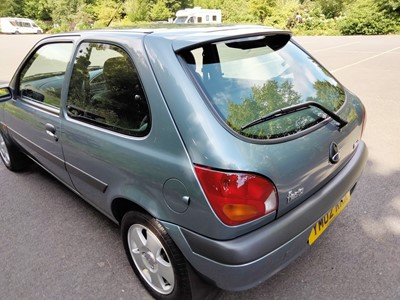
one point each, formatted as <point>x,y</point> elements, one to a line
<point>149,258</point>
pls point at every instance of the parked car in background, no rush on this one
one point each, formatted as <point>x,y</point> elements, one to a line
<point>198,15</point>
<point>18,25</point>
<point>222,152</point>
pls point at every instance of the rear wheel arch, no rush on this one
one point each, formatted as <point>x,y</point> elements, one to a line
<point>154,257</point>
<point>120,206</point>
<point>189,283</point>
<point>133,219</point>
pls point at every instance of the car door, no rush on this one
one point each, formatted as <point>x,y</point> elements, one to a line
<point>106,119</point>
<point>33,116</point>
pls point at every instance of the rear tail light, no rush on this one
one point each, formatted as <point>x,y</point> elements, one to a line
<point>237,198</point>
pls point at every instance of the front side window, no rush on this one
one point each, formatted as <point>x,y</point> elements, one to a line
<point>250,78</point>
<point>42,77</point>
<point>105,90</point>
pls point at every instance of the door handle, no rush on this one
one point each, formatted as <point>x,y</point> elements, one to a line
<point>51,130</point>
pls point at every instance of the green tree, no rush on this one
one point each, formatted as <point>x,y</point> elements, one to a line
<point>37,9</point>
<point>67,14</point>
<point>160,11</point>
<point>261,9</point>
<point>105,10</point>
<point>4,7</point>
<point>391,8</point>
<point>138,10</point>
<point>331,8</point>
<point>141,10</point>
<point>11,8</point>
<point>175,5</point>
<point>330,96</point>
<point>366,17</point>
<point>390,5</point>
<point>237,11</point>
<point>208,4</point>
<point>264,100</point>
<point>283,15</point>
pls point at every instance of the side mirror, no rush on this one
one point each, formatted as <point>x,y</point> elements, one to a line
<point>5,93</point>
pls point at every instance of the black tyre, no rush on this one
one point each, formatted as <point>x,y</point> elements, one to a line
<point>154,257</point>
<point>12,158</point>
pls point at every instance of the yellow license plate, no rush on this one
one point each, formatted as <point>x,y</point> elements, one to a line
<point>326,220</point>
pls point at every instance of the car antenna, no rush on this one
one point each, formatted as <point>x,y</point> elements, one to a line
<point>117,9</point>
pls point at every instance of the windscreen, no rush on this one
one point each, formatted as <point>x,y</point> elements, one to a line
<point>247,79</point>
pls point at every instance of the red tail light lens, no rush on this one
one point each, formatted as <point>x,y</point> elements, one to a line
<point>237,198</point>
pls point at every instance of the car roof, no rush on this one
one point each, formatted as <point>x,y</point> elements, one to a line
<point>185,36</point>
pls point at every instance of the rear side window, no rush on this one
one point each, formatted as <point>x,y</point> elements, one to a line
<point>105,90</point>
<point>247,79</point>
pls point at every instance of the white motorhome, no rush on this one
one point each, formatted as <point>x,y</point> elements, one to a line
<point>198,15</point>
<point>18,25</point>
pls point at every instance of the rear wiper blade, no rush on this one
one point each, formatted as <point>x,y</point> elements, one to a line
<point>295,108</point>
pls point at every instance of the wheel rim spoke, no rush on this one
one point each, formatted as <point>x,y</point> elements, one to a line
<point>165,270</point>
<point>138,239</point>
<point>153,244</point>
<point>159,282</point>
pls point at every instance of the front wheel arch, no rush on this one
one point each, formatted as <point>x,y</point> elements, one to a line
<point>11,155</point>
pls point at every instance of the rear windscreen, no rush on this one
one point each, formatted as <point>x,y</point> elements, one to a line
<point>247,79</point>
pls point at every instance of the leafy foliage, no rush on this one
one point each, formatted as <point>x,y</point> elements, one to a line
<point>104,11</point>
<point>11,7</point>
<point>137,10</point>
<point>365,17</point>
<point>261,9</point>
<point>331,8</point>
<point>273,96</point>
<point>300,16</point>
<point>238,13</point>
<point>160,11</point>
<point>390,5</point>
<point>36,9</point>
<point>264,100</point>
<point>210,4</point>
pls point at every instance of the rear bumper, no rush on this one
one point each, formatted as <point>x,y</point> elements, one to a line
<point>246,261</point>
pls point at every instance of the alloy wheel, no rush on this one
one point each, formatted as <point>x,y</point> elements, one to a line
<point>151,259</point>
